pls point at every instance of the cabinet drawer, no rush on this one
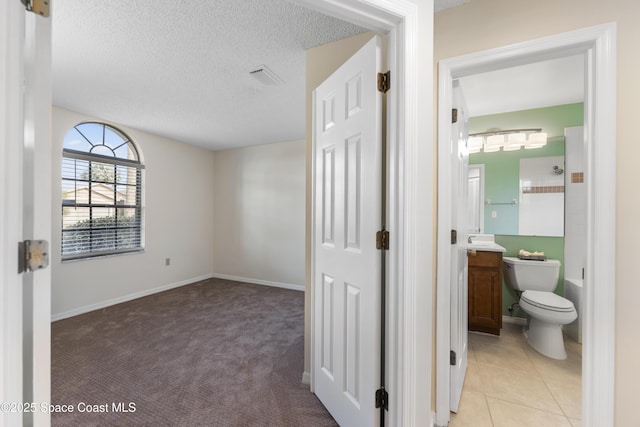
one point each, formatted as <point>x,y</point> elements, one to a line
<point>485,259</point>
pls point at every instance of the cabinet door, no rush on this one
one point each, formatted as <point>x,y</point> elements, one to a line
<point>485,300</point>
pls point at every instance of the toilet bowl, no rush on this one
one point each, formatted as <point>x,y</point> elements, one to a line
<point>546,311</point>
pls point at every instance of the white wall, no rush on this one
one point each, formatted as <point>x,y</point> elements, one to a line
<point>260,214</point>
<point>178,224</point>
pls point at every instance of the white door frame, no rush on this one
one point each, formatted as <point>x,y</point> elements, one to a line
<point>37,196</point>
<point>409,28</point>
<point>12,134</point>
<point>25,210</point>
<point>599,46</point>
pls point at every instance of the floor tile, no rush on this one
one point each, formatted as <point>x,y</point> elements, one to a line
<point>506,414</point>
<point>473,411</point>
<point>575,423</point>
<point>512,386</point>
<point>568,370</point>
<point>509,357</point>
<point>569,397</point>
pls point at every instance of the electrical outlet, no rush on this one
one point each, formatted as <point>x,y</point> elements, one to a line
<point>167,261</point>
<point>494,214</point>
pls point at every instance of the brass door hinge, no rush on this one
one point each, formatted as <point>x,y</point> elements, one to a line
<point>39,7</point>
<point>384,81</point>
<point>382,398</point>
<point>382,240</point>
<point>32,255</point>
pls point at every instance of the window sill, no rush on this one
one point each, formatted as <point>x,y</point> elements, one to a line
<point>101,256</point>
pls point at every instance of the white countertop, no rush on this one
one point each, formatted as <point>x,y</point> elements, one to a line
<point>487,247</point>
<point>484,242</point>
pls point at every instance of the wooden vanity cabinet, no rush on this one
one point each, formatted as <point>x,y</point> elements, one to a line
<point>485,291</point>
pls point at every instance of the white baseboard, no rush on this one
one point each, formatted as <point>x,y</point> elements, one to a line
<point>125,298</point>
<point>306,378</point>
<point>516,320</point>
<point>259,282</point>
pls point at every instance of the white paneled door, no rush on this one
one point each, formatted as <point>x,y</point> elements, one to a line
<point>347,214</point>
<point>459,162</point>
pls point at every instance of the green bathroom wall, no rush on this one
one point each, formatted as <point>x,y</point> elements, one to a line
<point>502,175</point>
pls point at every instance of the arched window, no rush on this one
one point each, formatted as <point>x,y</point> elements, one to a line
<point>101,192</point>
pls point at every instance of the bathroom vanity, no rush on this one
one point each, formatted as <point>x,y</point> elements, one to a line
<point>485,286</point>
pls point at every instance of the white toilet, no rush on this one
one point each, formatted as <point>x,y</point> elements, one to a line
<point>547,312</point>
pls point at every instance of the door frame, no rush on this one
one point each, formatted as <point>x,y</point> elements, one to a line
<point>25,209</point>
<point>409,28</point>
<point>598,43</point>
<point>12,134</point>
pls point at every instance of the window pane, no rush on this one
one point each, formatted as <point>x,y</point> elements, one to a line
<point>103,239</point>
<point>75,141</point>
<point>76,242</point>
<point>128,238</point>
<point>102,150</point>
<point>91,131</point>
<point>74,169</point>
<point>102,172</point>
<point>73,217</point>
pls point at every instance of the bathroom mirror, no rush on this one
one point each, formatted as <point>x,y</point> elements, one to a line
<point>518,192</point>
<point>523,196</point>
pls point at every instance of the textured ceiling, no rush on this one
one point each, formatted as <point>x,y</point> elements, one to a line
<point>180,68</point>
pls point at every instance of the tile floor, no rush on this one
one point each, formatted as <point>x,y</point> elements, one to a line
<point>509,384</point>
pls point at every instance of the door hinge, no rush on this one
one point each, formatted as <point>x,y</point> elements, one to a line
<point>382,240</point>
<point>39,7</point>
<point>452,358</point>
<point>32,255</point>
<point>454,115</point>
<point>454,237</point>
<point>382,399</point>
<point>384,81</point>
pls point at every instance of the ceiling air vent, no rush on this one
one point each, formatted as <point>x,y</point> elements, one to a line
<point>264,75</point>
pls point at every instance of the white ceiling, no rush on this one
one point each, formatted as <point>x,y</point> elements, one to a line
<point>536,85</point>
<point>180,68</point>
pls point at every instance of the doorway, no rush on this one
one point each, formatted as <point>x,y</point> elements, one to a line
<point>596,44</point>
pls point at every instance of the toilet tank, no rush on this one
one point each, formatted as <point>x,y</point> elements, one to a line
<point>524,275</point>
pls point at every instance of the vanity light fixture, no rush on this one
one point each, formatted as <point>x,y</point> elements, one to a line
<point>509,140</point>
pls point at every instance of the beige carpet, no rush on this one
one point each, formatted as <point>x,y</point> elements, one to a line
<point>214,353</point>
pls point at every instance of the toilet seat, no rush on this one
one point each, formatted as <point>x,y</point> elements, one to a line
<point>547,301</point>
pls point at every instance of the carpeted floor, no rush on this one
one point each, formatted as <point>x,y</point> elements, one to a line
<point>214,353</point>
